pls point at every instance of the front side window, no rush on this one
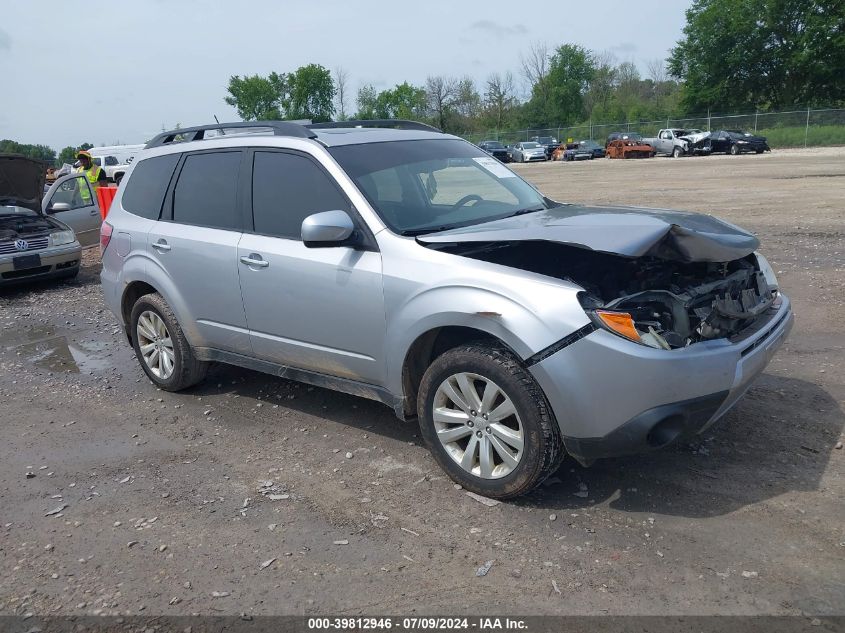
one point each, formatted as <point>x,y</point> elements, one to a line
<point>286,189</point>
<point>75,192</point>
<point>206,192</point>
<point>431,185</point>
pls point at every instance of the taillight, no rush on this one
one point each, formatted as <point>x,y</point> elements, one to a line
<point>105,236</point>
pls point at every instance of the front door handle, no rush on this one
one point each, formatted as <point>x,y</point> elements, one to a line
<point>161,245</point>
<point>254,260</point>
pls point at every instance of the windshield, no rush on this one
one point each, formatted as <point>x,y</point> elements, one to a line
<point>529,145</point>
<point>493,145</point>
<point>545,140</point>
<point>433,185</point>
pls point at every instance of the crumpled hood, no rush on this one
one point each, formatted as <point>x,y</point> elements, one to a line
<point>628,231</point>
<point>696,138</point>
<point>21,181</point>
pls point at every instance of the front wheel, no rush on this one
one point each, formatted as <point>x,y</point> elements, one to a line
<point>161,347</point>
<point>677,152</point>
<point>487,423</point>
<point>734,150</point>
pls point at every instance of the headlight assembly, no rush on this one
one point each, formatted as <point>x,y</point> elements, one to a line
<point>59,238</point>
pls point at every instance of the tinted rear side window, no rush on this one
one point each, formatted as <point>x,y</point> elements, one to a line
<point>145,190</point>
<point>206,192</point>
<point>286,189</point>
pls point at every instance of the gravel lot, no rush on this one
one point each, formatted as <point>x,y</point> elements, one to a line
<point>250,494</point>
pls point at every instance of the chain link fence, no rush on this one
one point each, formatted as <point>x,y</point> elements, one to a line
<point>798,128</point>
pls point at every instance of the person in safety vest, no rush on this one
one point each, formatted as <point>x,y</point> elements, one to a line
<point>95,174</point>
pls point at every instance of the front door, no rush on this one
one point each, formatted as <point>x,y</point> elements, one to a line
<point>319,309</point>
<point>72,200</point>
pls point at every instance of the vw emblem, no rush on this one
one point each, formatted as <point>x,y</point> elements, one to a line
<point>21,245</point>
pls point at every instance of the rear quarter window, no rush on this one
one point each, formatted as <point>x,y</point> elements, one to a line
<point>144,194</point>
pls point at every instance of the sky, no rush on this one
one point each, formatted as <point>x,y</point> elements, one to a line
<point>115,72</point>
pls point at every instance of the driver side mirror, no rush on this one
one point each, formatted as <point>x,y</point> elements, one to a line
<point>329,228</point>
<point>58,207</point>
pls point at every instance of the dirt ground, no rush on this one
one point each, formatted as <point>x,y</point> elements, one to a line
<point>239,497</point>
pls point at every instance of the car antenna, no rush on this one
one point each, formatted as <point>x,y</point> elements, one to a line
<point>216,120</point>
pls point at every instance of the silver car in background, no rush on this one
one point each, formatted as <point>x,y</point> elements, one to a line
<point>410,267</point>
<point>527,152</point>
<point>34,243</point>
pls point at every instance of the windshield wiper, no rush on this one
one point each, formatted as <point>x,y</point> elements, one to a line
<point>524,211</point>
<point>415,232</point>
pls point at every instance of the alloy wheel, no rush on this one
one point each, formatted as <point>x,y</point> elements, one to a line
<point>478,426</point>
<point>155,344</point>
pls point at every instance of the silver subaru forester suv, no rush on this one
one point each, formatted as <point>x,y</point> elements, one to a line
<point>394,262</point>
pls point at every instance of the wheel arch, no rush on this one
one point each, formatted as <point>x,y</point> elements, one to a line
<point>431,344</point>
<point>133,291</point>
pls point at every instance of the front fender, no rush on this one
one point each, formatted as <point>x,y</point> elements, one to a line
<point>518,326</point>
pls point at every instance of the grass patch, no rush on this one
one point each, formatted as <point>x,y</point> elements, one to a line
<point>817,136</point>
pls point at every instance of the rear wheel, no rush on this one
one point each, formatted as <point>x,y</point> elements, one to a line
<point>487,422</point>
<point>161,347</point>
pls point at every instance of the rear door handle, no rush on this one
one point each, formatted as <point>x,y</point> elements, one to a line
<point>254,260</point>
<point>161,245</point>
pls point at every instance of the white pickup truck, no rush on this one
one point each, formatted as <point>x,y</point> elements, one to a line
<point>677,142</point>
<point>115,159</point>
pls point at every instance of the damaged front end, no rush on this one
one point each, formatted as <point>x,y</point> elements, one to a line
<point>666,279</point>
<point>670,305</point>
<point>661,303</point>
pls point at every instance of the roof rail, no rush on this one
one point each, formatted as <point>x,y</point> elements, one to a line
<point>186,134</point>
<point>397,124</point>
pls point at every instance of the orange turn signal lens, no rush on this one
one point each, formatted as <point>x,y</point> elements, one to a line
<point>619,322</point>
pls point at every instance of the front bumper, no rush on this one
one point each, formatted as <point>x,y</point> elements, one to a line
<point>613,397</point>
<point>56,261</point>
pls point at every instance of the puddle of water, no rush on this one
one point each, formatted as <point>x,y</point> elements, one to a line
<point>45,349</point>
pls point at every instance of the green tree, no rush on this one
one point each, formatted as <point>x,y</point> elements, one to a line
<point>255,97</point>
<point>310,94</point>
<point>773,53</point>
<point>402,102</point>
<point>38,152</point>
<point>570,71</point>
<point>67,155</point>
<point>366,102</point>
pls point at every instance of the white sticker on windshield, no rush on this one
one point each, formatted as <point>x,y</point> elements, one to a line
<point>494,167</point>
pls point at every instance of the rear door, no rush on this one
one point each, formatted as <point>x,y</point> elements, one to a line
<point>195,243</point>
<point>319,309</point>
<point>77,207</point>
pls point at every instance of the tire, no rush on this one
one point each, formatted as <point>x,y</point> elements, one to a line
<point>186,370</point>
<point>734,150</point>
<point>677,152</point>
<point>759,151</point>
<point>478,366</point>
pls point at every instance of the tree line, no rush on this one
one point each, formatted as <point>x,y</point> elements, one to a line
<point>733,55</point>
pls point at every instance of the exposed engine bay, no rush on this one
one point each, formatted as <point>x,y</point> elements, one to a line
<point>24,225</point>
<point>673,304</point>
